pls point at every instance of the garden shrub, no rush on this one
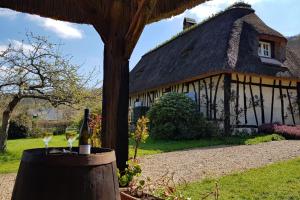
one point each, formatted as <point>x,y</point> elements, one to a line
<point>175,116</point>
<point>289,132</point>
<point>59,131</point>
<point>17,130</point>
<point>19,127</point>
<point>59,127</point>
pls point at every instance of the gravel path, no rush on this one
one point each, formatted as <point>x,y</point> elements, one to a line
<point>196,164</point>
<point>6,185</point>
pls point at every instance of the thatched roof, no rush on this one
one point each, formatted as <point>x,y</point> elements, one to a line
<point>294,44</point>
<point>87,11</point>
<point>226,42</point>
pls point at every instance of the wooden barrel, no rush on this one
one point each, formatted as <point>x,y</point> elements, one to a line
<point>67,176</point>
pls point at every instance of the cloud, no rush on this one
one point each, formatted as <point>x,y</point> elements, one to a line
<point>64,30</point>
<point>8,13</point>
<point>2,48</point>
<point>24,46</point>
<point>18,45</point>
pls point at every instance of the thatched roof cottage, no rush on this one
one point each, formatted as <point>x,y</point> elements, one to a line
<point>236,68</point>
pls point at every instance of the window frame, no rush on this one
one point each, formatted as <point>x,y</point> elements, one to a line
<point>265,49</point>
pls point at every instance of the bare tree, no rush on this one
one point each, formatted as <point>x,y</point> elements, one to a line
<point>36,69</point>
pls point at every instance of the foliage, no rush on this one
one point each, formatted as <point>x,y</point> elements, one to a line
<point>36,70</point>
<point>141,188</point>
<point>174,116</point>
<point>289,132</point>
<point>273,182</point>
<point>133,170</point>
<point>95,127</point>
<point>140,133</point>
<point>202,128</point>
<point>167,188</point>
<point>19,127</point>
<point>17,130</point>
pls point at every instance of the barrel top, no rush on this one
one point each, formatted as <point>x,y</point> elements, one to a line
<point>98,156</point>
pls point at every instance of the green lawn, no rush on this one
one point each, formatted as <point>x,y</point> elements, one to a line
<point>273,182</point>
<point>9,162</point>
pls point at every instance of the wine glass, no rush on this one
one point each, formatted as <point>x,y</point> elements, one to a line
<point>47,136</point>
<point>71,136</point>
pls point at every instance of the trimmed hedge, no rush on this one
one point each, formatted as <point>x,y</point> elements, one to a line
<point>289,132</point>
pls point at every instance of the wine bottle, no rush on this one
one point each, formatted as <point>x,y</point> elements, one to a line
<point>85,135</point>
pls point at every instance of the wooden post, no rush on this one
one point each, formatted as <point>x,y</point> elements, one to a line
<point>237,100</point>
<point>253,100</point>
<point>281,102</point>
<point>115,102</point>
<point>207,100</point>
<point>261,102</point>
<point>215,98</point>
<point>227,97</point>
<point>298,97</point>
<point>199,96</point>
<point>245,100</point>
<point>272,104</point>
<point>210,97</point>
<point>290,103</point>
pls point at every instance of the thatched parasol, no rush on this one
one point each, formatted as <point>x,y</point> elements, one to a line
<point>120,24</point>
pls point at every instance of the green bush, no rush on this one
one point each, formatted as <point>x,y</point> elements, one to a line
<point>175,116</point>
<point>19,127</point>
<point>17,130</point>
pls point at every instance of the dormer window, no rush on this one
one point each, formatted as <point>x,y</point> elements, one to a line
<point>264,49</point>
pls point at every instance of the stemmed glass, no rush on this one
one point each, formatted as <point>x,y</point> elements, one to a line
<point>47,136</point>
<point>71,136</point>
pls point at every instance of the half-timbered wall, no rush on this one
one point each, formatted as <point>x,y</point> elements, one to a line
<point>259,100</point>
<point>207,93</point>
<point>253,100</point>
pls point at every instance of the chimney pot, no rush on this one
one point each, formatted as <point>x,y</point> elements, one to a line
<point>188,22</point>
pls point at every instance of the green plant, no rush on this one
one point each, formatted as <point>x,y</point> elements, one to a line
<point>133,170</point>
<point>140,133</point>
<point>19,127</point>
<point>141,188</point>
<point>170,116</point>
<point>17,130</point>
<point>95,126</point>
<point>175,116</point>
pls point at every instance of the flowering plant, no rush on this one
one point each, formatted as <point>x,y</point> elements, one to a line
<point>95,127</point>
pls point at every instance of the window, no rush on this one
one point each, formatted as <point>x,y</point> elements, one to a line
<point>264,49</point>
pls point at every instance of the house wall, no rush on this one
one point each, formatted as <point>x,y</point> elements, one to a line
<point>274,101</point>
<point>207,92</point>
<point>254,100</point>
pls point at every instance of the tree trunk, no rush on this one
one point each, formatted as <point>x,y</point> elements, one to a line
<point>115,101</point>
<point>5,122</point>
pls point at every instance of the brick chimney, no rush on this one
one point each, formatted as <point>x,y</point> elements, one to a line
<point>188,22</point>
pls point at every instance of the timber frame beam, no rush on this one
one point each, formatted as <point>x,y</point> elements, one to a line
<point>298,97</point>
<point>227,97</point>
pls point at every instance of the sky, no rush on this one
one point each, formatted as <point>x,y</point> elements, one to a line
<point>84,44</point>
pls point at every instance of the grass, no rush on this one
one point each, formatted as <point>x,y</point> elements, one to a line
<point>276,181</point>
<point>9,161</point>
